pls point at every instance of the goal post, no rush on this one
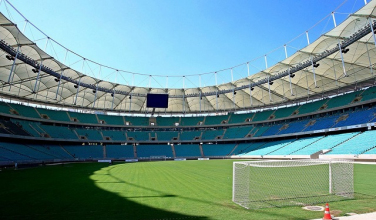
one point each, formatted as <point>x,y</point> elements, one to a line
<point>279,183</point>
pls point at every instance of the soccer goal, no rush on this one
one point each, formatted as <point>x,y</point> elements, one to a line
<point>263,184</point>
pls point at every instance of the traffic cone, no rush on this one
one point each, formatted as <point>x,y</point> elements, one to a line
<point>327,215</point>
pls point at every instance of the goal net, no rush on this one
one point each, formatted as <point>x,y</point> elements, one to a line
<point>263,184</point>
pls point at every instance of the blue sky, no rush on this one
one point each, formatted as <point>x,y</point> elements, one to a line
<point>180,37</point>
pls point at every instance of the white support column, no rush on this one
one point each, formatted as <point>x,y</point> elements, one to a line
<point>365,2</point>
<point>313,70</point>
<point>216,99</point>
<point>200,100</point>
<point>292,94</point>
<point>369,59</point>
<point>113,98</point>
<point>266,62</point>
<point>183,82</point>
<point>183,101</point>
<point>307,37</point>
<point>216,82</point>
<point>149,81</point>
<point>233,97</point>
<point>78,88</point>
<point>248,68</point>
<point>24,28</point>
<point>232,76</point>
<point>343,62</point>
<point>199,80</point>
<point>58,85</point>
<point>372,30</point>
<point>14,63</point>
<point>130,102</point>
<point>270,97</point>
<point>36,81</point>
<point>95,96</point>
<point>285,50</point>
<point>83,99</point>
<point>334,19</point>
<point>250,94</point>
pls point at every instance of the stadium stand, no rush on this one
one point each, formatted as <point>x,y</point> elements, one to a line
<point>25,110</point>
<point>216,120</point>
<point>114,135</point>
<point>110,119</point>
<point>154,150</point>
<point>189,135</point>
<point>119,151</point>
<point>263,115</point>
<point>342,100</point>
<point>311,107</point>
<point>295,146</point>
<point>166,135</point>
<point>89,134</point>
<point>212,134</point>
<point>237,132</point>
<point>83,117</point>
<point>138,121</point>
<point>357,144</point>
<point>60,132</point>
<point>187,150</point>
<point>84,152</point>
<point>269,147</point>
<point>191,121</point>
<point>240,118</point>
<point>285,112</point>
<point>167,121</point>
<point>53,115</point>
<point>138,135</point>
<point>218,150</point>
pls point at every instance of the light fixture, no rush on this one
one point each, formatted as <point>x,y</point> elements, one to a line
<point>76,86</point>
<point>57,80</point>
<point>35,70</point>
<point>345,50</point>
<point>9,57</point>
<point>292,75</point>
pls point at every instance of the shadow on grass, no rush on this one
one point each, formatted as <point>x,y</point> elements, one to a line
<point>67,192</point>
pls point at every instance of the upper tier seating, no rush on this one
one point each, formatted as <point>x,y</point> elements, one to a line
<point>273,130</point>
<point>25,111</point>
<point>215,120</point>
<point>311,107</point>
<point>285,112</point>
<point>137,121</point>
<point>262,116</point>
<point>27,126</point>
<point>259,130</point>
<point>191,121</point>
<point>167,121</point>
<point>323,122</point>
<point>369,94</point>
<point>4,108</point>
<point>240,118</point>
<point>342,100</point>
<point>84,117</point>
<point>54,115</point>
<point>27,151</point>
<point>111,119</point>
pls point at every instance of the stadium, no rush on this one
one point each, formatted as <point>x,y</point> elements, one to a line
<point>76,146</point>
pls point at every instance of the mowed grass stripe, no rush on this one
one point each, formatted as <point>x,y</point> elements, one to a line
<point>148,190</point>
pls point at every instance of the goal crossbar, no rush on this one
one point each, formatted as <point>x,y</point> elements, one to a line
<point>278,183</point>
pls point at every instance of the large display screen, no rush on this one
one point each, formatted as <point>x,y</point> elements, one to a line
<point>156,100</point>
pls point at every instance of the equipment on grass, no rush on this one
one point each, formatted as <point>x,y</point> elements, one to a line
<point>327,215</point>
<point>278,183</point>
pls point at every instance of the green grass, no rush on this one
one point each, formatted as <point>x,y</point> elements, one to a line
<point>149,190</point>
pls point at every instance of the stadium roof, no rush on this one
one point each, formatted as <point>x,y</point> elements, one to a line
<point>340,60</point>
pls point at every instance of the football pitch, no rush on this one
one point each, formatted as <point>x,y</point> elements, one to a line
<point>150,190</point>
